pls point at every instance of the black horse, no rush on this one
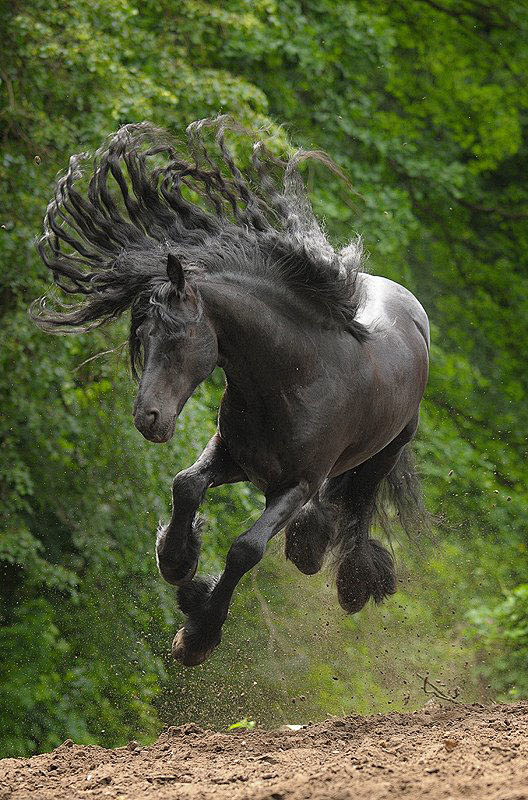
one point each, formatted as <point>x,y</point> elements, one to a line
<point>325,365</point>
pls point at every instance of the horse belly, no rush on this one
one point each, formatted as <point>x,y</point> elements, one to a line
<point>274,453</point>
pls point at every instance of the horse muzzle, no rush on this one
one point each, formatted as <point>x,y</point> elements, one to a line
<point>153,426</point>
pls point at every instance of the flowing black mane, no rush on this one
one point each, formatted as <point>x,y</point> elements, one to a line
<point>144,200</point>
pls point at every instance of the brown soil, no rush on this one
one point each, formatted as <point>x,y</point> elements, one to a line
<point>464,751</point>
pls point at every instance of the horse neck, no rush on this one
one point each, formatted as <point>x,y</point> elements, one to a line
<point>259,329</point>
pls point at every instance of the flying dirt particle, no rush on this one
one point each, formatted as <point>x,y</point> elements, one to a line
<point>450,744</point>
<point>37,160</point>
<point>133,745</point>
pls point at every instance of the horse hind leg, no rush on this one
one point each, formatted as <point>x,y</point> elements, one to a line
<point>366,570</point>
<point>364,567</point>
<point>307,537</point>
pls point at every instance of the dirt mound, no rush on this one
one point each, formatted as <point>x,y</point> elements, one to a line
<point>466,751</point>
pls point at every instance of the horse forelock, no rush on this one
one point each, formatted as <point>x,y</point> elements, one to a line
<point>145,199</point>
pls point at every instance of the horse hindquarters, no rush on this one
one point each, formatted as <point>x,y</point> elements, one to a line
<point>364,567</point>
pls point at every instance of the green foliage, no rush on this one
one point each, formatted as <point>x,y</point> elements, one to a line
<point>501,636</point>
<point>243,725</point>
<point>424,105</point>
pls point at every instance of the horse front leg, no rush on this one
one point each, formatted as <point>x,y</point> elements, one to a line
<point>178,543</point>
<point>205,602</point>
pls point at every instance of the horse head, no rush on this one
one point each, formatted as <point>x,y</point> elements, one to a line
<point>179,350</point>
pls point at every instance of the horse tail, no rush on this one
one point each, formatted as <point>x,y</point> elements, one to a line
<point>401,491</point>
<point>364,567</point>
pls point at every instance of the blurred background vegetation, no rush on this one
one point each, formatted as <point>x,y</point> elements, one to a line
<point>424,104</point>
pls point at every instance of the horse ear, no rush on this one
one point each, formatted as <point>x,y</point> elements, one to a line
<point>175,272</point>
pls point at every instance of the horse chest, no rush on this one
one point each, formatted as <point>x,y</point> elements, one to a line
<point>255,446</point>
<point>274,440</point>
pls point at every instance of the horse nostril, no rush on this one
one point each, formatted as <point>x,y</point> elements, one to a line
<point>152,416</point>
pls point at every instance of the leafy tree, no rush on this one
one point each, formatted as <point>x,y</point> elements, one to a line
<point>424,105</point>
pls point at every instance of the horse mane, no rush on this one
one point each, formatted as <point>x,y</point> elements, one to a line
<point>145,199</point>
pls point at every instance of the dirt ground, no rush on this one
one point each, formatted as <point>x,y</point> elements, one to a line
<point>461,751</point>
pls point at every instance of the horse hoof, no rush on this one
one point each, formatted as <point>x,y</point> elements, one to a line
<point>187,657</point>
<point>168,575</point>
